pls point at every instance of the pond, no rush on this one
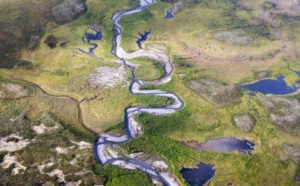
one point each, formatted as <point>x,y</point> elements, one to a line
<point>200,175</point>
<point>96,36</point>
<point>271,86</point>
<point>143,37</point>
<point>228,144</point>
<point>169,14</point>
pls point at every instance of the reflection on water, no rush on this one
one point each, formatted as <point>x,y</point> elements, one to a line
<point>169,14</point>
<point>271,86</point>
<point>200,175</point>
<point>228,144</point>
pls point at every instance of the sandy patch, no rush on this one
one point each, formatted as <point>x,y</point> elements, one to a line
<point>107,77</point>
<point>12,143</point>
<point>160,165</point>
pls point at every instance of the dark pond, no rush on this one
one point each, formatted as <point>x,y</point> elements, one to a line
<point>198,176</point>
<point>228,144</point>
<point>271,86</point>
<point>97,36</point>
<point>143,37</point>
<point>169,14</point>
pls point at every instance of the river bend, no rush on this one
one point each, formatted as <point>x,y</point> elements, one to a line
<point>103,151</point>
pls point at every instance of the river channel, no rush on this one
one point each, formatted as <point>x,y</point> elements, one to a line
<point>102,149</point>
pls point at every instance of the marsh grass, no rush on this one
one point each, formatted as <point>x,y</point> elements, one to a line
<point>147,69</point>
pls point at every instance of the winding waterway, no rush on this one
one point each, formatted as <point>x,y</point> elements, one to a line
<point>102,149</point>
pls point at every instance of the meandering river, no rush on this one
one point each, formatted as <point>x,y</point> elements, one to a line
<point>102,149</point>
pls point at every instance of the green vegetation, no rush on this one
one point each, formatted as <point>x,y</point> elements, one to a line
<point>268,5</point>
<point>189,40</point>
<point>147,69</point>
<point>115,176</point>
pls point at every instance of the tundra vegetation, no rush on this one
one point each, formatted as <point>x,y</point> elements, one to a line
<point>214,45</point>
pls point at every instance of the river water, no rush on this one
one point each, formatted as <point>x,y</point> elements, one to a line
<point>102,149</point>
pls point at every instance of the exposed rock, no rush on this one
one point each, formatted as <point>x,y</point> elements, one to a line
<point>82,144</point>
<point>284,112</point>
<point>12,143</point>
<point>12,160</point>
<point>292,151</point>
<point>177,7</point>
<point>107,77</point>
<point>60,150</point>
<point>263,74</point>
<point>244,122</point>
<point>291,8</point>
<point>41,129</point>
<point>234,38</point>
<point>68,11</point>
<point>216,92</point>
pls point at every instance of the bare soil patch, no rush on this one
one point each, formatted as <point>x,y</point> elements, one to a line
<point>284,112</point>
<point>216,92</point>
<point>107,77</point>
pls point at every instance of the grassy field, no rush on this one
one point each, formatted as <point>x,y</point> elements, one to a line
<point>189,39</point>
<point>196,54</point>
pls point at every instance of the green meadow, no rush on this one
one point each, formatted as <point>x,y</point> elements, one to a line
<point>189,39</point>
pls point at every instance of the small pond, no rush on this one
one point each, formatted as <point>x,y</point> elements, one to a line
<point>169,14</point>
<point>96,36</point>
<point>200,175</point>
<point>228,144</point>
<point>143,37</point>
<point>271,86</point>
